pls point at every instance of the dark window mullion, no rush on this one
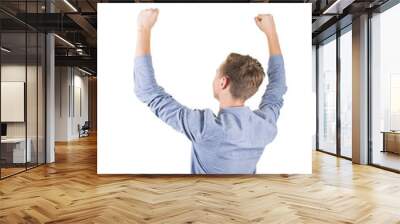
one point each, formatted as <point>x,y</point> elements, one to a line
<point>46,3</point>
<point>317,95</point>
<point>338,91</point>
<point>37,91</point>
<point>369,90</point>
<point>0,98</point>
<point>26,86</point>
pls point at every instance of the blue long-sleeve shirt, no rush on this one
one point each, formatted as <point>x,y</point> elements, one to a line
<point>230,142</point>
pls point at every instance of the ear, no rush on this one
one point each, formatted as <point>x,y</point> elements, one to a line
<point>224,82</point>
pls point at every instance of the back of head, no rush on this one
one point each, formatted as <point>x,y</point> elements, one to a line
<point>245,74</point>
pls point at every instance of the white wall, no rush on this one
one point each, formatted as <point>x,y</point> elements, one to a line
<point>16,72</point>
<point>79,117</point>
<point>70,83</point>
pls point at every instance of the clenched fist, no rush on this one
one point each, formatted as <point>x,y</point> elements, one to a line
<point>266,23</point>
<point>147,18</point>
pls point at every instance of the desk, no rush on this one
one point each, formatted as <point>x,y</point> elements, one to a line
<point>15,148</point>
<point>391,141</point>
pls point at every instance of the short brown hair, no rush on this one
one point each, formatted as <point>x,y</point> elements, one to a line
<point>245,73</point>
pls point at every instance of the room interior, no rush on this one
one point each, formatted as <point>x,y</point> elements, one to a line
<point>22,102</point>
<point>48,150</point>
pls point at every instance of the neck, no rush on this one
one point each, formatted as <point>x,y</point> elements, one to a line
<point>229,102</point>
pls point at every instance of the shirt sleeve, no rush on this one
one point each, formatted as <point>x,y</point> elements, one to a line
<point>272,100</point>
<point>190,122</point>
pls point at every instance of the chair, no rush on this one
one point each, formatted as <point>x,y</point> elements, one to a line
<point>84,130</point>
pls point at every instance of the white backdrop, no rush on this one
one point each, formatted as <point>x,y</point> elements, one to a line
<point>189,42</point>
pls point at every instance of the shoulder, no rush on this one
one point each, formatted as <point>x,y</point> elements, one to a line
<point>267,117</point>
<point>203,117</point>
<point>209,122</point>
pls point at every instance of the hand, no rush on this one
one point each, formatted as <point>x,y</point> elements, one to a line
<point>266,23</point>
<point>147,18</point>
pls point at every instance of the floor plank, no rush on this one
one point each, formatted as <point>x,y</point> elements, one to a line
<point>70,191</point>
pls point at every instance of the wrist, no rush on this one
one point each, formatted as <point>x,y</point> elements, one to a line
<point>144,29</point>
<point>270,33</point>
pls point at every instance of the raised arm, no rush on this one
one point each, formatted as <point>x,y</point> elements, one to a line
<point>272,100</point>
<point>164,106</point>
<point>145,22</point>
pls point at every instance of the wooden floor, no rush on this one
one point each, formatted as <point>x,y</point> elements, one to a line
<point>70,191</point>
<point>8,171</point>
<point>5,172</point>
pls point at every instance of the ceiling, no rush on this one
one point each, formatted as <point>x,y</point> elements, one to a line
<point>76,22</point>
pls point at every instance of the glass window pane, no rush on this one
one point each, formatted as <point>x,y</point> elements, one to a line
<point>22,89</point>
<point>346,94</point>
<point>32,95</point>
<point>386,89</point>
<point>327,97</point>
<point>41,98</point>
<point>14,153</point>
